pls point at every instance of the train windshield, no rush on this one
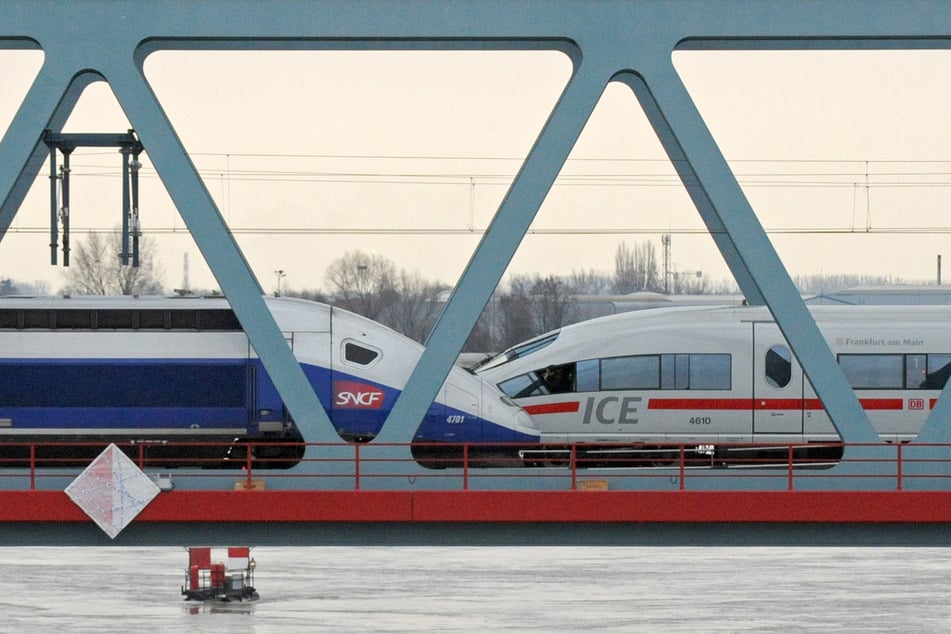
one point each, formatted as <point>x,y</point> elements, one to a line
<point>519,351</point>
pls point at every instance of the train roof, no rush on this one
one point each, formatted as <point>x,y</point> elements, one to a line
<point>292,313</point>
<point>164,302</point>
<point>822,313</point>
<point>114,301</point>
<point>708,316</point>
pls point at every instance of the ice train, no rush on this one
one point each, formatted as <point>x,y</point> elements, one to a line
<point>157,370</point>
<point>725,375</point>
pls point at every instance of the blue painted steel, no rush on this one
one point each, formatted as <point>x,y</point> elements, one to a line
<point>605,40</point>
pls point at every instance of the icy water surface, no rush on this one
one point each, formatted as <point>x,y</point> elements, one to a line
<point>388,589</point>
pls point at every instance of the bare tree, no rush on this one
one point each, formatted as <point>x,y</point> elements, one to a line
<point>362,283</point>
<point>415,305</point>
<point>635,269</point>
<point>516,322</point>
<point>97,270</point>
<point>588,282</point>
<point>551,302</point>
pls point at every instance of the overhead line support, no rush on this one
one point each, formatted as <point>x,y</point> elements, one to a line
<point>130,148</point>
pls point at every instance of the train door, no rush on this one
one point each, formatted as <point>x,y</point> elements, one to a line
<point>268,407</point>
<point>359,396</point>
<point>312,349</point>
<point>777,383</point>
<point>461,413</point>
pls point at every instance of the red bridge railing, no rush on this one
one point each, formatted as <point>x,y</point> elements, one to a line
<point>590,467</point>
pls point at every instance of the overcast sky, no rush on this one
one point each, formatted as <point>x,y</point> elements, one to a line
<point>846,158</point>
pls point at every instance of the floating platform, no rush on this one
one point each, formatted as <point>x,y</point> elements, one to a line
<point>223,578</point>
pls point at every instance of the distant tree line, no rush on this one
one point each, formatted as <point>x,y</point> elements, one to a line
<point>524,306</point>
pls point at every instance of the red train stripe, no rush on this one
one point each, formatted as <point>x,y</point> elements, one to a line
<point>766,403</point>
<point>882,403</point>
<point>565,407</point>
<point>700,403</point>
<point>734,404</point>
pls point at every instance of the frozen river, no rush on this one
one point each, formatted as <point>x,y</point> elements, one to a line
<point>540,589</point>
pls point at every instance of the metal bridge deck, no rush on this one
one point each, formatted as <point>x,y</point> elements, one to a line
<point>621,518</point>
<point>361,496</point>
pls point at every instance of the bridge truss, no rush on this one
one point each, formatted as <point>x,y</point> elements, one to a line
<point>611,41</point>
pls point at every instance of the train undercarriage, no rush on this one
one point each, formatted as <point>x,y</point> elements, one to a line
<point>602,456</point>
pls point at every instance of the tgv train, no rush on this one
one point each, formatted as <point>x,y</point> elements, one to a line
<point>707,376</point>
<point>155,370</point>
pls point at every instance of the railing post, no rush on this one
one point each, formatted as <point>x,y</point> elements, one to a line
<point>32,467</point>
<point>683,467</point>
<point>142,457</point>
<point>899,465</point>
<point>465,467</point>
<point>574,467</point>
<point>247,466</point>
<point>356,466</point>
<point>790,468</point>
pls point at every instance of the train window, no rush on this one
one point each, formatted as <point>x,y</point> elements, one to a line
<point>359,354</point>
<point>778,366</point>
<point>558,378</point>
<point>523,385</point>
<point>115,319</point>
<point>218,320</point>
<point>10,318</point>
<point>631,373</point>
<point>587,375</point>
<point>939,368</point>
<point>874,371</point>
<point>75,319</point>
<point>152,319</point>
<point>38,319</point>
<point>183,319</point>
<point>518,352</point>
<point>915,370</point>
<point>710,372</point>
<point>674,371</point>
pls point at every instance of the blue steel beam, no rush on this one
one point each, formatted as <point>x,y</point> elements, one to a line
<point>753,253</point>
<point>498,245</point>
<point>220,251</point>
<point>47,105</point>
<point>67,62</point>
<point>612,37</point>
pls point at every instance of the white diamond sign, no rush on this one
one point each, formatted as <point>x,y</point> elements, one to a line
<point>112,490</point>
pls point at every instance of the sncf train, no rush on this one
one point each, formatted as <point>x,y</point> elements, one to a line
<point>158,371</point>
<point>712,377</point>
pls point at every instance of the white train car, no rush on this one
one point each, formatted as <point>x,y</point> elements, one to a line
<point>154,370</point>
<point>711,376</point>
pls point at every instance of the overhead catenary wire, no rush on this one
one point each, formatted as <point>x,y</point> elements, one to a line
<point>901,174</point>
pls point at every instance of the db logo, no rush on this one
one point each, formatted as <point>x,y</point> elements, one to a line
<point>916,403</point>
<point>353,395</point>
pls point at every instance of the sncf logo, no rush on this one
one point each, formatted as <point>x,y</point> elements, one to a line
<point>353,395</point>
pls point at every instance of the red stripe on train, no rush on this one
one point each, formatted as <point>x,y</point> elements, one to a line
<point>700,403</point>
<point>565,407</point>
<point>765,404</point>
<point>570,407</point>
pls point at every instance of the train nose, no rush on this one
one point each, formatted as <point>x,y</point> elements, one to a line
<point>525,423</point>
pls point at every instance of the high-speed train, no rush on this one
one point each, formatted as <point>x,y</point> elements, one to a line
<point>159,370</point>
<point>708,376</point>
